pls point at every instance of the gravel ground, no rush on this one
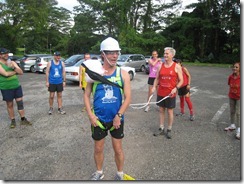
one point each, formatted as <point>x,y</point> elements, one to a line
<point>60,147</point>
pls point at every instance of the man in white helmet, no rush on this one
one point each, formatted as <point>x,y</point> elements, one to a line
<point>109,105</point>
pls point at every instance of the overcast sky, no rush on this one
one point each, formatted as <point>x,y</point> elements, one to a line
<point>69,4</point>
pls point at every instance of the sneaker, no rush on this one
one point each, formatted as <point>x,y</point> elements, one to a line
<point>119,177</point>
<point>97,176</point>
<point>160,132</point>
<point>168,134</point>
<point>13,124</point>
<point>192,117</point>
<point>61,111</point>
<point>25,122</point>
<point>146,109</point>
<point>50,112</point>
<point>230,128</point>
<point>180,114</point>
<point>238,135</point>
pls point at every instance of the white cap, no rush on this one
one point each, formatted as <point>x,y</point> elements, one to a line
<point>109,44</point>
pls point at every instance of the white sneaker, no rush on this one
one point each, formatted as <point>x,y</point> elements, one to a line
<point>238,136</point>
<point>231,127</point>
<point>146,109</point>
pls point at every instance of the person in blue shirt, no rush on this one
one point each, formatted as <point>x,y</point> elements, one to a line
<point>55,81</point>
<point>109,105</point>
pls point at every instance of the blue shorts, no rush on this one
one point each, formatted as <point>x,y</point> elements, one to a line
<point>167,103</point>
<point>11,94</point>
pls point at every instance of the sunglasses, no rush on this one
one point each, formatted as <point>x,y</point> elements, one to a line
<point>112,52</point>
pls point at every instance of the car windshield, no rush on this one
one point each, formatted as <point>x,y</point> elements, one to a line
<point>79,62</point>
<point>122,58</point>
<point>72,58</point>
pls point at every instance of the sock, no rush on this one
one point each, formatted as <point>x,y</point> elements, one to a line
<point>162,127</point>
<point>22,118</point>
<point>238,130</point>
<point>169,127</point>
<point>182,104</point>
<point>120,173</point>
<point>189,103</point>
<point>13,119</point>
<point>100,172</point>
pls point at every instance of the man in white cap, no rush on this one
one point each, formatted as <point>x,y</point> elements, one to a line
<point>109,105</point>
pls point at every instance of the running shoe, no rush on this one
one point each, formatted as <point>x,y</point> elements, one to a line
<point>180,114</point>
<point>61,111</point>
<point>25,122</point>
<point>230,128</point>
<point>238,135</point>
<point>97,176</point>
<point>13,124</point>
<point>168,134</point>
<point>50,112</point>
<point>160,132</point>
<point>192,117</point>
<point>119,177</point>
<point>146,109</point>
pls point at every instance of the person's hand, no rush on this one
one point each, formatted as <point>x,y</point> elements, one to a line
<point>93,120</point>
<point>116,122</point>
<point>47,84</point>
<point>188,87</point>
<point>173,91</point>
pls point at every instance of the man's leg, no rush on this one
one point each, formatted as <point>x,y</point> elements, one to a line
<point>51,98</point>
<point>99,154</point>
<point>10,109</point>
<point>59,99</point>
<point>119,154</point>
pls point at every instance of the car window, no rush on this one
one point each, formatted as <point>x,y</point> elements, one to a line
<point>73,58</point>
<point>122,58</point>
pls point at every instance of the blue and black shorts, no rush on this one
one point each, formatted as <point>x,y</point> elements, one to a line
<point>11,94</point>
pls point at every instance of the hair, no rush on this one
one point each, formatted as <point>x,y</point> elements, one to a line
<point>238,62</point>
<point>172,50</point>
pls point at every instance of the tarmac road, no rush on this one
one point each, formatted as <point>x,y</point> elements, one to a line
<point>60,147</point>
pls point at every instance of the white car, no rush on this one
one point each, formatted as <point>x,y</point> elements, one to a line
<point>72,72</point>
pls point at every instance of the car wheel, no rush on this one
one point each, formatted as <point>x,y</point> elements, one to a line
<point>143,68</point>
<point>131,75</point>
<point>32,69</point>
<point>44,70</point>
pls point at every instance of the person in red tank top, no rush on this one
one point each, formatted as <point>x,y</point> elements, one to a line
<point>234,81</point>
<point>184,92</point>
<point>168,81</point>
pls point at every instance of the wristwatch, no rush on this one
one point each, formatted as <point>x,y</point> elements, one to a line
<point>120,115</point>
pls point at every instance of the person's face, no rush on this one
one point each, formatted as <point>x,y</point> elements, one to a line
<point>4,56</point>
<point>154,54</point>
<point>86,57</point>
<point>111,57</point>
<point>57,58</point>
<point>168,55</point>
<point>236,68</point>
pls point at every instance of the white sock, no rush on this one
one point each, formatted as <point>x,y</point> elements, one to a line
<point>100,172</point>
<point>120,173</point>
<point>162,127</point>
<point>238,130</point>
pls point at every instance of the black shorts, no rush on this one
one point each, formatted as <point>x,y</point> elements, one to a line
<point>10,94</point>
<point>150,80</point>
<point>183,91</point>
<point>98,133</point>
<point>56,87</point>
<point>167,103</point>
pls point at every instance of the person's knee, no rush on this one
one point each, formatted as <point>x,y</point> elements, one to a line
<point>20,105</point>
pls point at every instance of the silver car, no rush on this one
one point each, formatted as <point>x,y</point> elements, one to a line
<point>136,61</point>
<point>41,63</point>
<point>27,63</point>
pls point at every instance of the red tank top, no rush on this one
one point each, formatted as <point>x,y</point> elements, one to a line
<point>185,77</point>
<point>168,79</point>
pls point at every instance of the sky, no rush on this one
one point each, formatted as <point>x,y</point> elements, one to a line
<point>69,4</point>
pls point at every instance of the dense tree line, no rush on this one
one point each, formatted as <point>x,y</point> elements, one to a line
<point>209,33</point>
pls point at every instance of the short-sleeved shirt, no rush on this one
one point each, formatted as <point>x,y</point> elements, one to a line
<point>11,82</point>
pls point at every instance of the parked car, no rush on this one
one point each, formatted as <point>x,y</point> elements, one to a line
<point>41,63</point>
<point>72,72</point>
<point>27,63</point>
<point>136,61</point>
<point>72,60</point>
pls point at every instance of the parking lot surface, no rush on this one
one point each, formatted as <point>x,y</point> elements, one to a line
<point>60,147</point>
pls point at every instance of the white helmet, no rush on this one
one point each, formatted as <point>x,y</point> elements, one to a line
<point>109,44</point>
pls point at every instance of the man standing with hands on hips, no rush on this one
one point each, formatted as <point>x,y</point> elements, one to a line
<point>11,88</point>
<point>56,81</point>
<point>108,108</point>
<point>169,79</point>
